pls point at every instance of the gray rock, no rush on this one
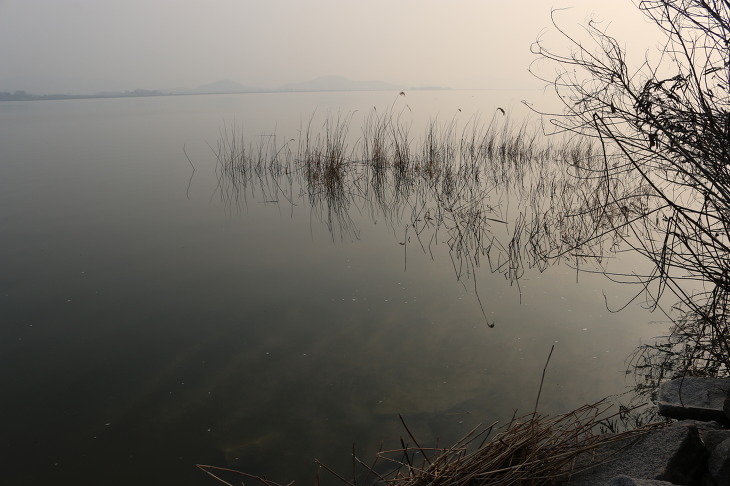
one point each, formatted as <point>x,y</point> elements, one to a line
<point>695,397</point>
<point>623,480</point>
<point>713,438</point>
<point>674,453</point>
<point>719,463</point>
<point>704,426</point>
<point>707,481</point>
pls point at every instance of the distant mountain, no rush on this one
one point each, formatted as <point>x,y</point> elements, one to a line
<point>221,87</point>
<point>20,95</point>
<point>12,90</point>
<point>56,84</point>
<point>338,83</point>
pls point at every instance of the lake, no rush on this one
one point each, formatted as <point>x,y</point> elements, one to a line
<point>151,322</point>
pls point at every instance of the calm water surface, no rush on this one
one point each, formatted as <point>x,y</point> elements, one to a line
<point>148,325</point>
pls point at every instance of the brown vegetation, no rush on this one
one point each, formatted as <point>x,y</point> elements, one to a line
<point>533,449</point>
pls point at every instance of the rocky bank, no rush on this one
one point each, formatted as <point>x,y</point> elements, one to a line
<point>693,451</point>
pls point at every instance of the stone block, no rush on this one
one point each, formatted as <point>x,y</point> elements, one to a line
<point>623,480</point>
<point>713,438</point>
<point>719,463</point>
<point>696,398</point>
<point>674,453</point>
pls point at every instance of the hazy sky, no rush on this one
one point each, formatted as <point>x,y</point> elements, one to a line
<point>91,45</point>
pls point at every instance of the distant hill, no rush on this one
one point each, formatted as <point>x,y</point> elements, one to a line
<point>338,83</point>
<point>50,85</point>
<point>24,96</point>
<point>226,86</point>
<point>222,87</point>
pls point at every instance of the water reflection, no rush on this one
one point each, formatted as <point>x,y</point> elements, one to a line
<point>255,338</point>
<point>497,194</point>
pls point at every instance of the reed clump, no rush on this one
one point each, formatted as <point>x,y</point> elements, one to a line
<point>324,156</point>
<point>241,161</point>
<point>452,185</point>
<point>499,150</point>
<point>457,182</point>
<point>530,450</point>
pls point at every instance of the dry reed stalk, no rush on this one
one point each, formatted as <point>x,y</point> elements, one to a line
<point>453,183</point>
<point>531,450</point>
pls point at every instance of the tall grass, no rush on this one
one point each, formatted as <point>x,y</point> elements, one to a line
<point>500,195</point>
<point>533,449</point>
<point>497,193</point>
<point>500,151</point>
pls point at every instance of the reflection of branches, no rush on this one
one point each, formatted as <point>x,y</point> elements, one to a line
<point>691,349</point>
<point>664,179</point>
<point>457,187</point>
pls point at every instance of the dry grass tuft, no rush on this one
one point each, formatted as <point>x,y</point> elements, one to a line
<point>531,450</point>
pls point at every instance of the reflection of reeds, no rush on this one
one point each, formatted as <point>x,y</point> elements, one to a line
<point>533,449</point>
<point>495,193</point>
<point>240,163</point>
<point>500,192</point>
<point>500,151</point>
<point>325,157</point>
